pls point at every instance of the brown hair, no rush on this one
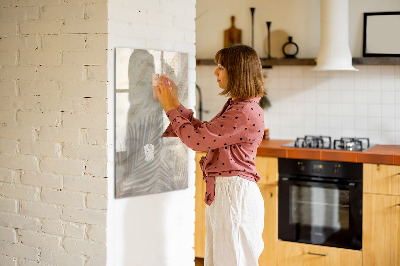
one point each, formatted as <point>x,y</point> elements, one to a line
<point>245,78</point>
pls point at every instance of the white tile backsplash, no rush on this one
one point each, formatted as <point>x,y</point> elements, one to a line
<point>364,103</point>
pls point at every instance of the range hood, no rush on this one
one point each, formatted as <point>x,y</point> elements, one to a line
<point>334,51</point>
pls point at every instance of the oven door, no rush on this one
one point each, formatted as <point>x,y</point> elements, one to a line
<point>322,212</point>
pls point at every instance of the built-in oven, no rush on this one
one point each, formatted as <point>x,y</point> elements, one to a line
<point>320,202</point>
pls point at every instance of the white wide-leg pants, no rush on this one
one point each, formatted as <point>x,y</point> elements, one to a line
<point>234,223</point>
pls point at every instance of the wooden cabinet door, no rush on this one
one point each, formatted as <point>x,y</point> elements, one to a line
<point>200,207</point>
<point>297,254</point>
<point>270,233</point>
<point>381,179</point>
<point>381,230</point>
<point>267,168</point>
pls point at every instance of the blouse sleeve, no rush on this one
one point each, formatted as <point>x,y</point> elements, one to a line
<point>223,131</point>
<point>186,113</point>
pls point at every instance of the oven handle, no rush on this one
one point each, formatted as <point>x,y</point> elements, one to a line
<point>297,181</point>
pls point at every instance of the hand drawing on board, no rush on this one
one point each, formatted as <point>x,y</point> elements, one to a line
<point>145,163</point>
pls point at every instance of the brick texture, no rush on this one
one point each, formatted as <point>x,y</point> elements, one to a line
<point>53,109</point>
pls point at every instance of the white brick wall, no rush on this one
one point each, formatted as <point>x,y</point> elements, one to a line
<point>53,107</point>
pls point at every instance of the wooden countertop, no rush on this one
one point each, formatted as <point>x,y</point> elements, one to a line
<point>379,154</point>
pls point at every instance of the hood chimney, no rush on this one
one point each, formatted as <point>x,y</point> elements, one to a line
<point>334,51</point>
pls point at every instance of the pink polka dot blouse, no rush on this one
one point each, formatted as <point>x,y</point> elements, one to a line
<point>231,139</point>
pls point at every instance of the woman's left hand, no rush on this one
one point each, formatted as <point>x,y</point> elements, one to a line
<point>163,92</point>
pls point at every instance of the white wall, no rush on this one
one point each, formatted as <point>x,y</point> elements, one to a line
<point>299,18</point>
<point>154,229</point>
<point>338,104</point>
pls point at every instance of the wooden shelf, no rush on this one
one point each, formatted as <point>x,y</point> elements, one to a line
<point>312,61</point>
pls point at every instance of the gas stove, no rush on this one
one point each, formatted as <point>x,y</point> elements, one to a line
<point>325,142</point>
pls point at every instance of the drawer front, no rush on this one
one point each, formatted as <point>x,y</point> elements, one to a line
<point>381,179</point>
<point>293,254</point>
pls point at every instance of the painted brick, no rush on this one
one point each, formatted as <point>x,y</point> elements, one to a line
<point>7,88</point>
<point>19,43</point>
<point>98,73</point>
<point>8,58</point>
<point>75,230</point>
<point>18,13</point>
<point>86,184</point>
<point>53,227</point>
<point>62,166</point>
<point>39,58</point>
<point>84,216</point>
<point>63,197</point>
<point>87,88</point>
<point>39,148</point>
<point>94,136</point>
<point>40,27</point>
<point>97,234</point>
<point>33,2</point>
<point>41,179</point>
<point>7,117</point>
<point>39,87</point>
<point>8,234</point>
<point>96,11</point>
<point>66,135</point>
<point>69,105</point>
<point>85,152</point>
<point>19,221</point>
<point>25,103</point>
<point>61,259</point>
<point>68,42</point>
<point>17,191</point>
<point>97,42</point>
<point>35,239</point>
<point>18,162</point>
<point>18,72</point>
<point>84,26</point>
<point>60,73</point>
<point>100,260</point>
<point>84,247</point>
<point>98,121</point>
<point>17,132</point>
<point>62,12</point>
<point>94,201</point>
<point>19,250</point>
<point>7,175</point>
<point>8,146</point>
<point>25,262</point>
<point>96,168</point>
<point>89,57</point>
<point>8,261</point>
<point>41,210</point>
<point>8,205</point>
<point>39,118</point>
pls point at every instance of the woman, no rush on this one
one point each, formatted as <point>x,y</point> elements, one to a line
<point>235,207</point>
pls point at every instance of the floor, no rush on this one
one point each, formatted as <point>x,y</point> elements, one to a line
<point>199,262</point>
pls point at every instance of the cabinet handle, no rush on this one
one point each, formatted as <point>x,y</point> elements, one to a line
<point>398,204</point>
<point>318,254</point>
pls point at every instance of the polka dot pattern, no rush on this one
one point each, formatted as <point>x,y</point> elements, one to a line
<point>231,139</point>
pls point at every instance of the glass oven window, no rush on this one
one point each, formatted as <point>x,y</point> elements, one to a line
<point>318,207</point>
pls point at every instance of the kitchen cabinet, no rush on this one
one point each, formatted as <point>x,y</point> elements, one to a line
<point>381,215</point>
<point>298,254</point>
<point>267,168</point>
<point>381,179</point>
<point>200,207</point>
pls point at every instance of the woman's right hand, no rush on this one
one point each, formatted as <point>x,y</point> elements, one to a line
<point>174,89</point>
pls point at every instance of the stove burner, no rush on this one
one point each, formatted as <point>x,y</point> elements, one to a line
<point>308,141</point>
<point>351,144</point>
